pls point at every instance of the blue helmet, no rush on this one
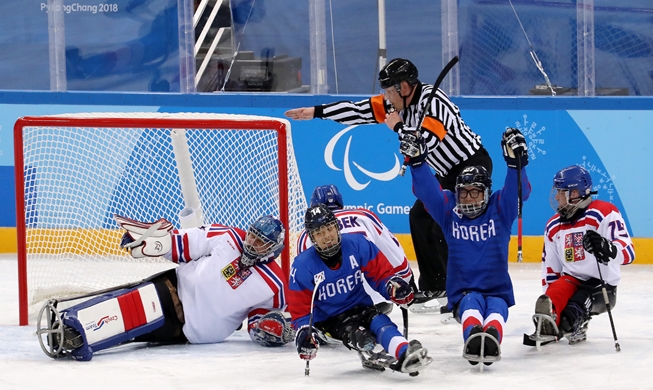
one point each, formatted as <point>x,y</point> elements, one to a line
<point>565,181</point>
<point>328,195</point>
<point>574,177</point>
<point>476,176</point>
<point>320,222</point>
<point>264,241</point>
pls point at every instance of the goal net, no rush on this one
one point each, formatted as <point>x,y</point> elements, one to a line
<point>74,172</point>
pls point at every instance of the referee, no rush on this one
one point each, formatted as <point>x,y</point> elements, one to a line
<point>451,143</point>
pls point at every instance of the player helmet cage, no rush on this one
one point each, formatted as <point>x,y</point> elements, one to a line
<point>328,195</point>
<point>263,242</point>
<point>396,71</point>
<point>564,182</point>
<point>476,176</point>
<point>322,227</point>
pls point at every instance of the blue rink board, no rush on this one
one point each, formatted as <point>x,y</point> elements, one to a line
<point>607,135</point>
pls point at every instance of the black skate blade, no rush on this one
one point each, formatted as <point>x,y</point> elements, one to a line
<point>531,340</point>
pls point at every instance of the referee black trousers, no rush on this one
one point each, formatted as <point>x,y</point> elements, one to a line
<point>430,245</point>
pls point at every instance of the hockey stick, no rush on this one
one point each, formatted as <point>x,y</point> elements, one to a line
<point>519,209</point>
<point>317,278</point>
<point>607,305</point>
<point>404,316</point>
<point>534,56</point>
<point>438,81</point>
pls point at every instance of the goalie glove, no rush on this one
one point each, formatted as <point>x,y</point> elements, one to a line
<point>144,239</point>
<point>602,249</point>
<point>412,147</point>
<point>272,330</point>
<point>307,342</point>
<point>514,147</point>
<point>400,291</point>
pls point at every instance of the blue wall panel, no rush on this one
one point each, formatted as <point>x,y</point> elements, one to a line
<point>609,136</point>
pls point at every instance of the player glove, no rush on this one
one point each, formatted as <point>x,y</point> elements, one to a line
<point>272,330</point>
<point>600,247</point>
<point>399,291</point>
<point>412,147</point>
<point>514,147</point>
<point>143,239</point>
<point>307,342</point>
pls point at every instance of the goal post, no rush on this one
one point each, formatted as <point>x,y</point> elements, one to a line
<point>73,172</point>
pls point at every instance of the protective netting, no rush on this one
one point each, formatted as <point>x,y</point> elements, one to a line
<point>77,178</point>
<point>495,54</point>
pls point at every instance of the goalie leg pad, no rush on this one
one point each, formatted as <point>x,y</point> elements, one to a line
<point>113,318</point>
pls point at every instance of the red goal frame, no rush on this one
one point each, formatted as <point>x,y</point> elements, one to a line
<point>28,121</point>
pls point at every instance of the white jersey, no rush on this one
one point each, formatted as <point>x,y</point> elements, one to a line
<point>564,254</point>
<point>363,221</point>
<point>215,293</point>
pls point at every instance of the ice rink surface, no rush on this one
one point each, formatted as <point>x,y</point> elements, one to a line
<point>239,363</point>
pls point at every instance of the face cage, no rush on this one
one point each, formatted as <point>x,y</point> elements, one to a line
<point>331,250</point>
<point>250,255</point>
<point>568,210</point>
<point>473,210</point>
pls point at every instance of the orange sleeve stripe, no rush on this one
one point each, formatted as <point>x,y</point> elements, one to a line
<point>378,108</point>
<point>434,126</point>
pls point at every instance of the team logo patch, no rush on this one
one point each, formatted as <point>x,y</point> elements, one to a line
<point>574,247</point>
<point>234,275</point>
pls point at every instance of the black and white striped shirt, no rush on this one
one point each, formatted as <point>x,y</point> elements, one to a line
<point>449,140</point>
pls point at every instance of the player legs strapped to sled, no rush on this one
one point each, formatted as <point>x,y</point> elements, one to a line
<point>333,270</point>
<point>571,322</point>
<point>483,319</point>
<point>156,309</point>
<point>585,243</point>
<point>478,283</point>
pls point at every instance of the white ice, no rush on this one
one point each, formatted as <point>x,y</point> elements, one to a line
<point>239,363</point>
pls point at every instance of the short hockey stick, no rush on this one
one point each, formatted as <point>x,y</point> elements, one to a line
<point>438,81</point>
<point>317,278</point>
<point>607,305</point>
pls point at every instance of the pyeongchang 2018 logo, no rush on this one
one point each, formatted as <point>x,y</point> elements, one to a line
<point>346,163</point>
<point>100,323</point>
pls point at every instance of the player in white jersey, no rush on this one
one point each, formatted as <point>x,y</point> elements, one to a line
<point>585,244</point>
<point>224,277</point>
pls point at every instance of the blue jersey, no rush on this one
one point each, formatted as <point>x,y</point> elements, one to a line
<point>342,288</point>
<point>478,247</point>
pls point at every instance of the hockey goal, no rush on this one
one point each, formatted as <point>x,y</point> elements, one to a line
<point>74,172</point>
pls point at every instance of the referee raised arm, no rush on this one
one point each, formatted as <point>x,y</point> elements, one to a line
<point>452,146</point>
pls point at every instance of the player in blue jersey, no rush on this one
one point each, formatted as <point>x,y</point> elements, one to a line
<point>335,266</point>
<point>477,225</point>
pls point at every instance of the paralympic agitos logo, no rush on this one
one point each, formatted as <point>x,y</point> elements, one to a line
<point>346,164</point>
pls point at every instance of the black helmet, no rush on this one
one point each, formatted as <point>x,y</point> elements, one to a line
<point>318,220</point>
<point>396,71</point>
<point>476,176</point>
